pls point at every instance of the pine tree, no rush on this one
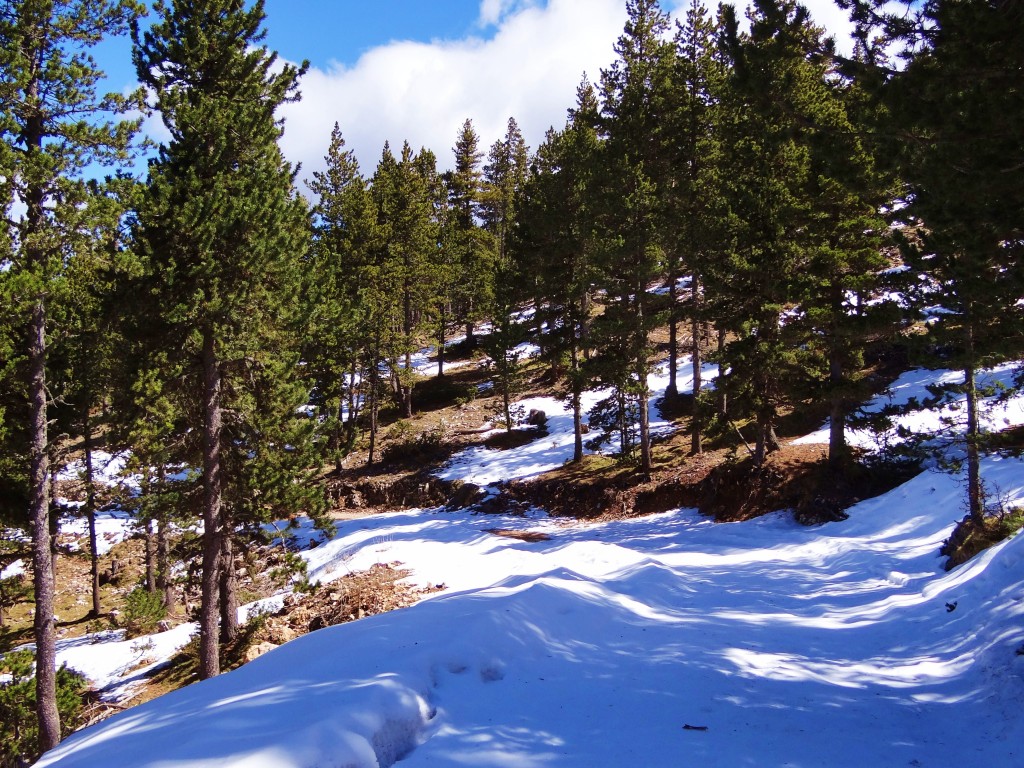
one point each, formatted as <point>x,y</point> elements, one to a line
<point>633,199</point>
<point>847,253</point>
<point>555,240</point>
<point>694,202</point>
<point>345,233</point>
<point>54,125</point>
<point>224,234</point>
<point>957,129</point>
<point>403,193</point>
<point>84,347</point>
<point>473,246</point>
<point>504,176</point>
<point>778,107</point>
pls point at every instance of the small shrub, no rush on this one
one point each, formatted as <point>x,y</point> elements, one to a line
<point>143,611</point>
<point>424,447</point>
<point>294,571</point>
<point>970,538</point>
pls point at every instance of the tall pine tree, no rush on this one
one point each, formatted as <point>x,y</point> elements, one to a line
<point>957,131</point>
<point>633,198</point>
<point>224,231</point>
<point>54,125</point>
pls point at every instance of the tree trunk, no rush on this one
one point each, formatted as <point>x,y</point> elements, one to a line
<point>407,387</point>
<point>442,322</point>
<point>761,445</point>
<point>837,414</point>
<point>209,652</point>
<point>585,325</point>
<point>538,322</point>
<point>645,432</point>
<point>228,589</point>
<point>723,398</point>
<point>696,448</point>
<point>374,406</point>
<point>39,461</point>
<point>577,408</point>
<point>90,513</point>
<point>42,559</point>
<point>353,409</point>
<point>641,370</point>
<point>164,582</point>
<point>506,400</point>
<point>837,449</point>
<point>975,493</point>
<point>151,566</point>
<point>672,390</point>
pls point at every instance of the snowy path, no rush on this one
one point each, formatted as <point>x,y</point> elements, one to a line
<point>828,646</point>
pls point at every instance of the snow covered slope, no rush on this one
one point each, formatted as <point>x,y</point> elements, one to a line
<point>844,645</point>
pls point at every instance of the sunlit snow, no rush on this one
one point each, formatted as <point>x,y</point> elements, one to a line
<point>665,640</point>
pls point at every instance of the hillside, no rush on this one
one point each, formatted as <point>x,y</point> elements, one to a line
<point>841,645</point>
<point>645,640</point>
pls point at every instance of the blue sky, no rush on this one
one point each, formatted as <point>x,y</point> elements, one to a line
<point>414,70</point>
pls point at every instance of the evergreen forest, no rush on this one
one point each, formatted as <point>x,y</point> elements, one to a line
<point>732,190</point>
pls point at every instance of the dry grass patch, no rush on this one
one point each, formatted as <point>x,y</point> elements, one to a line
<point>970,538</point>
<point>509,533</point>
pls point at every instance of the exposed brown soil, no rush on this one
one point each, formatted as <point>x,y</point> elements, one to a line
<point>795,478</point>
<point>531,537</point>
<point>377,590</point>
<point>970,538</point>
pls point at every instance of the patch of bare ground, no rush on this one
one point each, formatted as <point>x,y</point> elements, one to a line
<point>531,537</point>
<point>971,537</point>
<point>379,589</point>
<point>716,482</point>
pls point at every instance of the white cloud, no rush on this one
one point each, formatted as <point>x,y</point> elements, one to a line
<point>422,92</point>
<point>493,11</point>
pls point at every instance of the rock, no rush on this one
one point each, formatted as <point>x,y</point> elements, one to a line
<point>255,651</point>
<point>466,495</point>
<point>537,418</point>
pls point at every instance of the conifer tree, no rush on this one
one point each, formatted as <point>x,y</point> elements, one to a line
<point>504,176</point>
<point>633,198</point>
<point>847,253</point>
<point>53,125</point>
<point>224,233</point>
<point>473,247</point>
<point>555,240</point>
<point>779,112</point>
<point>403,193</point>
<point>694,202</point>
<point>957,133</point>
<point>84,346</point>
<point>345,232</point>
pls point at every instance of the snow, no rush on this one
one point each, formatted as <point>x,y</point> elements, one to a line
<point>114,664</point>
<point>112,527</point>
<point>844,645</point>
<point>792,646</point>
<point>107,468</point>
<point>485,466</point>
<point>912,387</point>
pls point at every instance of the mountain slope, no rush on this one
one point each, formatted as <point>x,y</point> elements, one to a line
<point>843,645</point>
